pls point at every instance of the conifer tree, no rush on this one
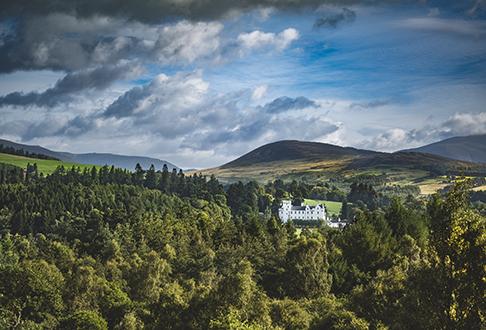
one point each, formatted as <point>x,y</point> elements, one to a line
<point>164,179</point>
<point>138,175</point>
<point>151,178</point>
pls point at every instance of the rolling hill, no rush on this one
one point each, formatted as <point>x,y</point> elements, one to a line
<point>467,148</point>
<point>122,161</point>
<point>314,161</point>
<point>292,150</point>
<point>46,166</point>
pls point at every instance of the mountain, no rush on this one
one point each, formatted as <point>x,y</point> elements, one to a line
<point>290,160</point>
<point>122,161</point>
<point>291,150</point>
<point>302,151</point>
<point>434,164</point>
<point>467,148</point>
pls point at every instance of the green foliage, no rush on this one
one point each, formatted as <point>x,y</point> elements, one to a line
<point>84,320</point>
<point>110,249</point>
<point>307,268</point>
<point>405,221</point>
<point>290,314</point>
<point>363,248</point>
<point>30,291</point>
<point>461,255</point>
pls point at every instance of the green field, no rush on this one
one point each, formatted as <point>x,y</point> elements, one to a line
<point>332,207</point>
<point>43,165</point>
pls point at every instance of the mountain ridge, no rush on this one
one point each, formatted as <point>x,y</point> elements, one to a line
<point>289,150</point>
<point>121,161</point>
<point>291,159</point>
<point>470,148</point>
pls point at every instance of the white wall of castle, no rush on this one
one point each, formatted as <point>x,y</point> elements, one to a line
<point>286,212</point>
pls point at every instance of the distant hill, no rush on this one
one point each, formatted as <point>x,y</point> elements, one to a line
<point>416,160</point>
<point>290,160</point>
<point>467,148</point>
<point>121,161</point>
<point>291,150</point>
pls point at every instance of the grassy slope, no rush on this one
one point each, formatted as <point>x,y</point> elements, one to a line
<point>315,171</point>
<point>287,170</point>
<point>408,173</point>
<point>44,166</point>
<point>332,207</point>
<point>469,148</point>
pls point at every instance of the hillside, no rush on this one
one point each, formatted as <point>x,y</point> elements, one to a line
<point>44,166</point>
<point>467,148</point>
<point>291,150</point>
<point>415,160</point>
<point>121,161</point>
<point>290,160</point>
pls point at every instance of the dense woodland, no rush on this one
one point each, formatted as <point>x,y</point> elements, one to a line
<point>112,249</point>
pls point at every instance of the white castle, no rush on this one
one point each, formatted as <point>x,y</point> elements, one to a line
<point>303,212</point>
<point>288,212</point>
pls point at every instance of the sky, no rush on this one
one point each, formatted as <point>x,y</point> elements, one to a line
<point>201,82</point>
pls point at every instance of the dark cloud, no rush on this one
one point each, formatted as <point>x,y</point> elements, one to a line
<point>72,35</point>
<point>77,126</point>
<point>47,127</point>
<point>68,43</point>
<point>154,11</point>
<point>285,103</point>
<point>65,88</point>
<point>160,10</point>
<point>163,10</point>
<point>126,104</point>
<point>228,135</point>
<point>334,19</point>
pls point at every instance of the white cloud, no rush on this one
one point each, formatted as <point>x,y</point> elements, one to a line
<point>187,41</point>
<point>179,116</point>
<point>259,39</point>
<point>460,124</point>
<point>167,106</point>
<point>390,140</point>
<point>259,92</point>
<point>265,12</point>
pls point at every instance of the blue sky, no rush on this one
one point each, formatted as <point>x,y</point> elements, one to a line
<point>196,90</point>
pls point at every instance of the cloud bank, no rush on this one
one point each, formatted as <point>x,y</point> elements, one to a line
<point>460,124</point>
<point>155,11</point>
<point>183,108</point>
<point>64,89</point>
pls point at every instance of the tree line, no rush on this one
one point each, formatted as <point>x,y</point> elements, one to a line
<point>21,152</point>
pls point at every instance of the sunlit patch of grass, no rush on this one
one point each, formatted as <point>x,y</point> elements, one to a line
<point>45,166</point>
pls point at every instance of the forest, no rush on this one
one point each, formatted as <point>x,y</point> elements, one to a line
<point>152,249</point>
